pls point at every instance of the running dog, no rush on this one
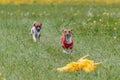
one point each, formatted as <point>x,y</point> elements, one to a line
<point>36,31</point>
<point>66,41</point>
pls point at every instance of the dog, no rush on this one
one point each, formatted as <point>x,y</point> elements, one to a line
<point>36,31</point>
<point>66,41</point>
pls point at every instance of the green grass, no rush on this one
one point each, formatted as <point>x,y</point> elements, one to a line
<point>22,59</point>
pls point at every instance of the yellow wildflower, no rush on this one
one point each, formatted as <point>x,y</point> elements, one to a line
<point>107,14</point>
<point>100,20</point>
<point>94,22</point>
<point>116,23</point>
<point>33,13</point>
<point>115,28</point>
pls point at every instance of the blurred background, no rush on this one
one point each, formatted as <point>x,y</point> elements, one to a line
<point>56,1</point>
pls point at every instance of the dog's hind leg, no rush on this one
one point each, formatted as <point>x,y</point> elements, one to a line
<point>70,50</point>
<point>39,37</point>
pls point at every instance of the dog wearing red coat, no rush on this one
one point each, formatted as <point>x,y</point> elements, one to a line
<point>66,41</point>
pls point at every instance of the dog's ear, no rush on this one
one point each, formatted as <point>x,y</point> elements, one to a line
<point>70,30</point>
<point>40,24</point>
<point>63,30</point>
<point>34,23</point>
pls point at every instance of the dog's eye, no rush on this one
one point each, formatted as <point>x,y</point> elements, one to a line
<point>69,31</point>
<point>65,31</point>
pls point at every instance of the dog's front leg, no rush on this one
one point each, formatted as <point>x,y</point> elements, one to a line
<point>64,50</point>
<point>34,38</point>
<point>70,50</point>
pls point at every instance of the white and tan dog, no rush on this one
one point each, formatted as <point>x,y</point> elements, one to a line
<point>66,41</point>
<point>36,31</point>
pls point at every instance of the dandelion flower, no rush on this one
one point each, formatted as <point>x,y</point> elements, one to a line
<point>116,23</point>
<point>100,20</point>
<point>33,13</point>
<point>94,22</point>
<point>115,28</point>
<point>107,14</point>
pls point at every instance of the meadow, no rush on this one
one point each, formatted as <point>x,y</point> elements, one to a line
<point>96,31</point>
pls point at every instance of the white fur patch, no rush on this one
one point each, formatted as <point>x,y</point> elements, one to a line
<point>34,33</point>
<point>69,40</point>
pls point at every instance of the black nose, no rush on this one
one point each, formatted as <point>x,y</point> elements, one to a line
<point>67,34</point>
<point>38,30</point>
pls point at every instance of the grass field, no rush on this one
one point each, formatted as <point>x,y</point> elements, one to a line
<point>96,31</point>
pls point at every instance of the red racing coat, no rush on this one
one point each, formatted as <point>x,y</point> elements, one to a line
<point>63,42</point>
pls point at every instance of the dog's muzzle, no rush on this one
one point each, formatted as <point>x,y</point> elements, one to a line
<point>67,36</point>
<point>38,29</point>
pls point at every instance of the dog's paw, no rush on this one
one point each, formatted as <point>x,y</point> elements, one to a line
<point>34,39</point>
<point>64,51</point>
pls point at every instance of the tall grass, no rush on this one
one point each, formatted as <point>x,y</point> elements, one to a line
<point>96,32</point>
